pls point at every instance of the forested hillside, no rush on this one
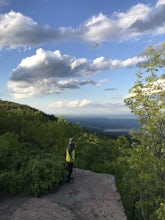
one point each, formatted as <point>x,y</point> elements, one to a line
<point>32,150</point>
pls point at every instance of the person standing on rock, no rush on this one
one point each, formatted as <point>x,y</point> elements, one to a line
<point>70,157</point>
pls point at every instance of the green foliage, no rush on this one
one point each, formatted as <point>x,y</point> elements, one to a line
<point>42,175</point>
<point>10,182</point>
<point>145,160</point>
<point>99,154</point>
<point>23,174</point>
<point>160,212</point>
<point>12,153</point>
<point>32,150</point>
<point>14,116</point>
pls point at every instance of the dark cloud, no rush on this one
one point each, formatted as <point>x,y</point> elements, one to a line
<point>85,82</point>
<point>110,89</point>
<point>154,19</point>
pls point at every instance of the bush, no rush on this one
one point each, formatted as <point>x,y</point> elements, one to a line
<point>10,182</point>
<point>12,153</point>
<point>38,177</point>
<point>21,173</point>
<point>42,175</point>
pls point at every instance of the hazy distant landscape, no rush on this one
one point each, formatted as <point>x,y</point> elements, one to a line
<point>106,124</point>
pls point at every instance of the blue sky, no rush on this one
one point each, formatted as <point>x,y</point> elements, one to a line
<point>77,57</point>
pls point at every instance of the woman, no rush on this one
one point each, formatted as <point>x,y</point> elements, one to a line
<point>70,157</point>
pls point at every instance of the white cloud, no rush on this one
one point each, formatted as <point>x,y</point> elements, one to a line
<point>137,21</point>
<point>17,30</point>
<point>73,104</point>
<point>70,104</point>
<point>160,2</point>
<point>49,72</point>
<point>133,61</point>
<point>99,60</point>
<point>84,106</point>
<point>84,103</point>
<point>22,89</point>
<point>152,22</point>
<point>78,62</point>
<point>78,103</point>
<point>57,104</point>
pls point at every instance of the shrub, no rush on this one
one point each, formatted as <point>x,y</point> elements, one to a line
<point>42,175</point>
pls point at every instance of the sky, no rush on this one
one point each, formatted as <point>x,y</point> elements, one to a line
<point>75,57</point>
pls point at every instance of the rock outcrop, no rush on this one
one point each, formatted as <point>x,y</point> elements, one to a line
<point>90,196</point>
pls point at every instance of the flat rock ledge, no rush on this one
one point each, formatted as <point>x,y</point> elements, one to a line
<point>90,196</point>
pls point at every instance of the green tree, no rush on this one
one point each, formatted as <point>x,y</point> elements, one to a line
<point>146,158</point>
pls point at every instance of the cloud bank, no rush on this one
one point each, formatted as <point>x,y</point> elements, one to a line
<point>85,104</point>
<point>49,72</point>
<point>70,104</point>
<point>17,30</point>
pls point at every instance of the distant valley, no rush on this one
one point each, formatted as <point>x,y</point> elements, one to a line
<point>106,124</point>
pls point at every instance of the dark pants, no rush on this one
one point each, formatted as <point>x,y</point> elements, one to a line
<point>69,168</point>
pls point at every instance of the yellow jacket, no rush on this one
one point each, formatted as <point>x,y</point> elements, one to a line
<point>70,157</point>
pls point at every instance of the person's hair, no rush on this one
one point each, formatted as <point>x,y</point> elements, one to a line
<point>71,140</point>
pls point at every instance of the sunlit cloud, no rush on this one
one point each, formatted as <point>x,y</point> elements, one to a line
<point>70,104</point>
<point>18,30</point>
<point>57,104</point>
<point>85,105</point>
<point>49,72</point>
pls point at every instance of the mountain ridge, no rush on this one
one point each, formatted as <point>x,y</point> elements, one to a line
<point>9,106</point>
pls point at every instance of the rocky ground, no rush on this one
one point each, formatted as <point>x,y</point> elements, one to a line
<point>90,196</point>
